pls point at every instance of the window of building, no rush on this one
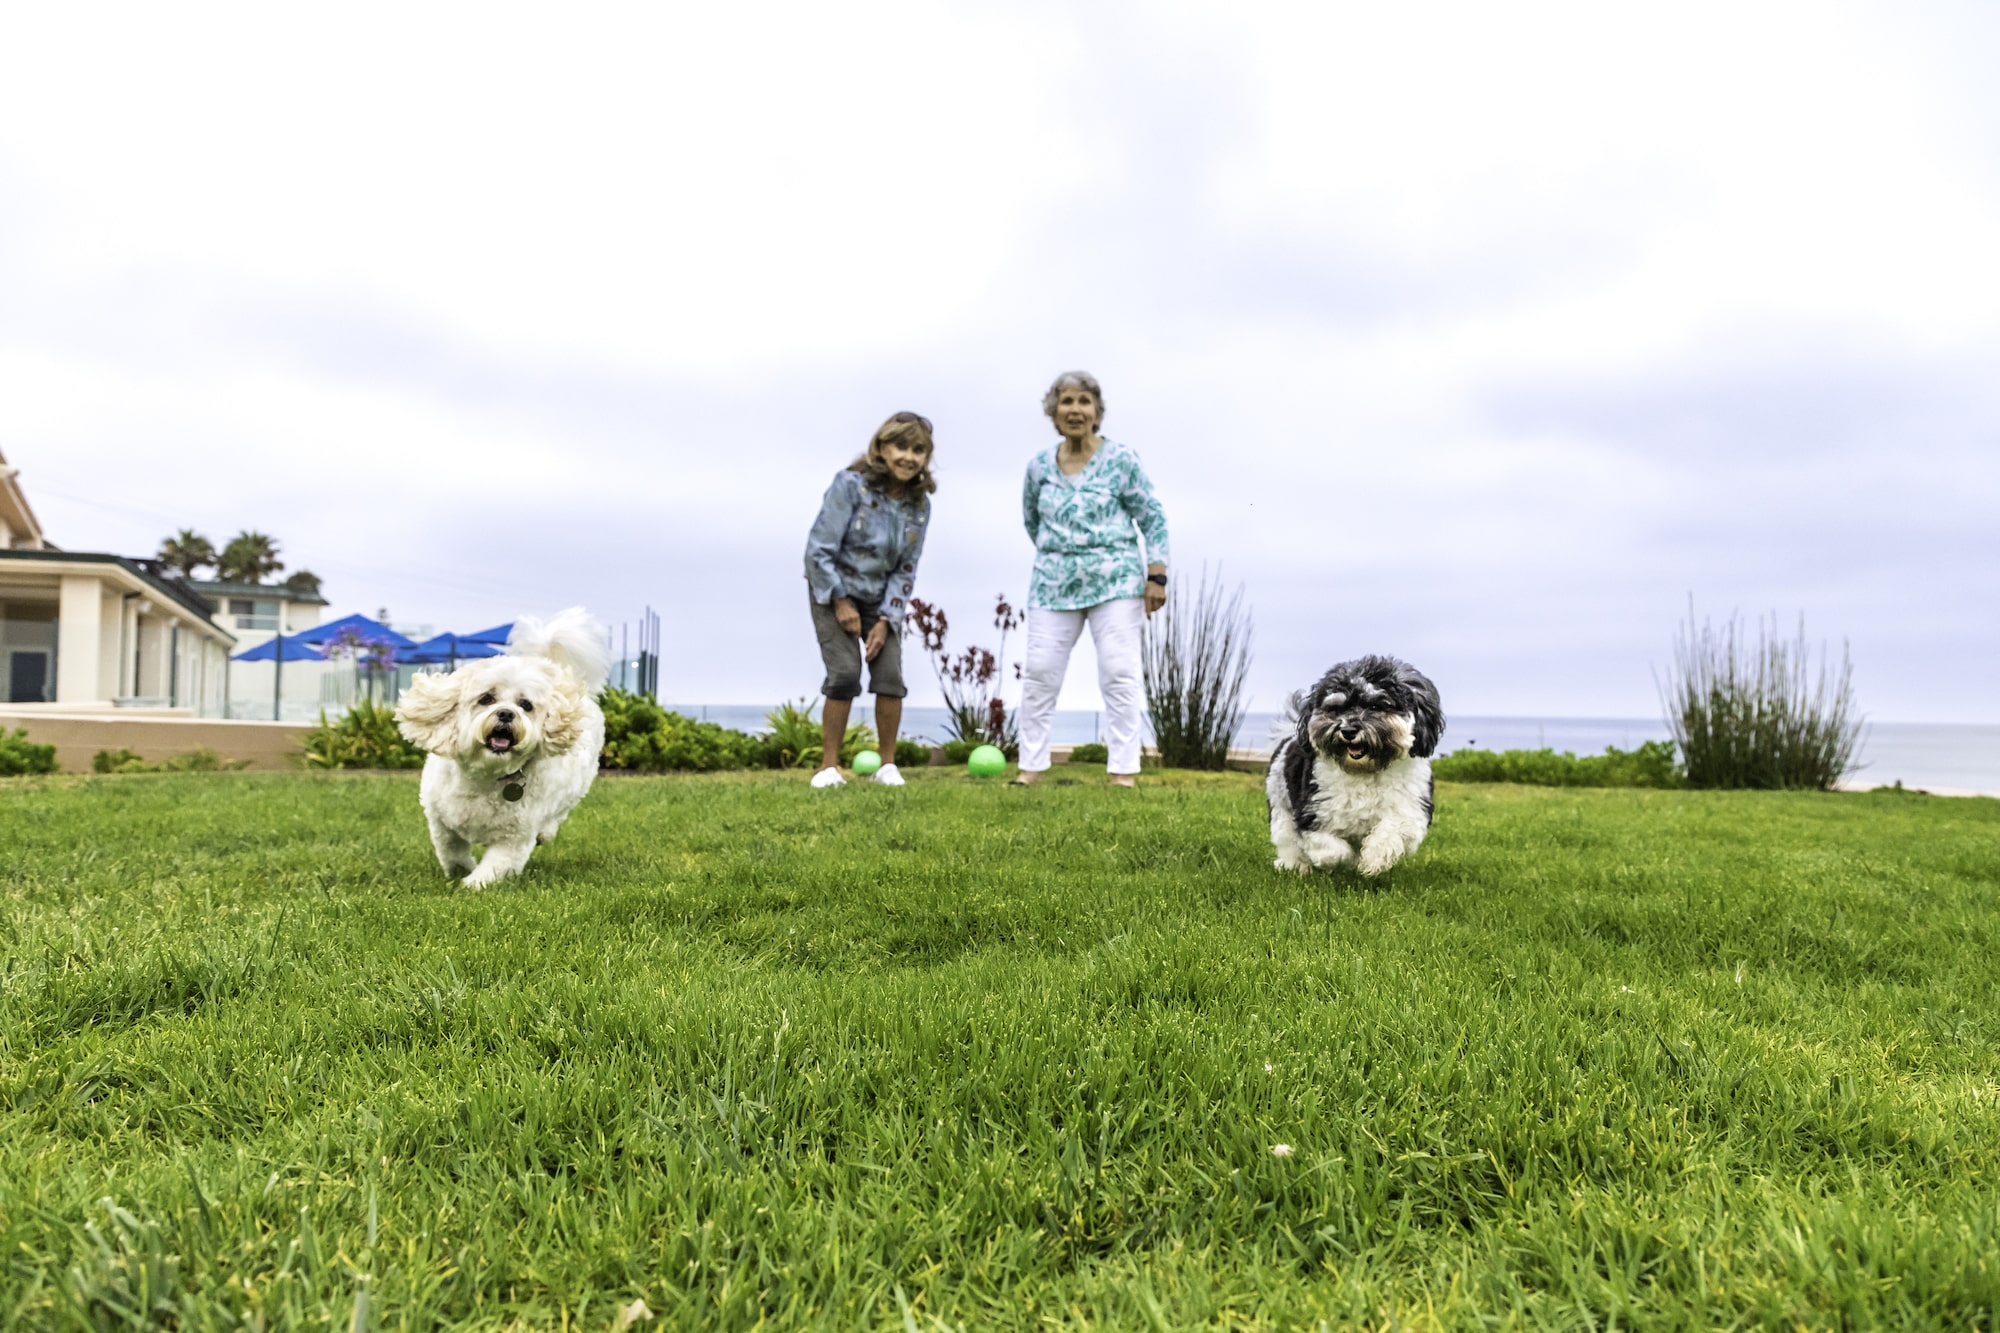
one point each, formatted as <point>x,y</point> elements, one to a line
<point>254,613</point>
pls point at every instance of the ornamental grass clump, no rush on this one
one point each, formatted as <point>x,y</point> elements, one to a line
<point>365,736</point>
<point>794,738</point>
<point>1196,659</point>
<point>1758,715</point>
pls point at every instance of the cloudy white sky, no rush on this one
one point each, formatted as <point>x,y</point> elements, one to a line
<point>1488,335</point>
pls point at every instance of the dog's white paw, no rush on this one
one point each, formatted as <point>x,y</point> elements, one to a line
<point>1293,860</point>
<point>1324,849</point>
<point>1376,859</point>
<point>483,876</point>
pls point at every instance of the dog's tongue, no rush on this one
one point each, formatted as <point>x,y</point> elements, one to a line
<point>501,742</point>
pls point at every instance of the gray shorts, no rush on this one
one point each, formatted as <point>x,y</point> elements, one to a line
<point>841,652</point>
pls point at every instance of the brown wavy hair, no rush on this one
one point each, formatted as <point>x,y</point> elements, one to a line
<point>905,428</point>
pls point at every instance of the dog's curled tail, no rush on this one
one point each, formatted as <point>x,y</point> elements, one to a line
<point>574,638</point>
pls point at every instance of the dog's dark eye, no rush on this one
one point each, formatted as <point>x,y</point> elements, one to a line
<point>526,706</point>
<point>486,698</point>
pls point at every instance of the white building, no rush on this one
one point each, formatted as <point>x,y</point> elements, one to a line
<point>90,630</point>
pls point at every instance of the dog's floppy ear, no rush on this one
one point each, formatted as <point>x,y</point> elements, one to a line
<point>565,711</point>
<point>1300,707</point>
<point>425,712</point>
<point>1426,709</point>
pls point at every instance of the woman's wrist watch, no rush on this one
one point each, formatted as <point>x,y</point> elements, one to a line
<point>1160,579</point>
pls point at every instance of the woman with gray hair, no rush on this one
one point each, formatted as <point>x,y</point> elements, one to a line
<point>1088,505</point>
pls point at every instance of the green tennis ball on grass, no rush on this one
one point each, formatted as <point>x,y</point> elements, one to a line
<point>986,762</point>
<point>867,762</point>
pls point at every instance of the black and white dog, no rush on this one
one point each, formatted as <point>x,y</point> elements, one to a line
<point>1353,781</point>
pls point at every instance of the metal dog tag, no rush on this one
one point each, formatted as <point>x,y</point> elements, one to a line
<point>512,791</point>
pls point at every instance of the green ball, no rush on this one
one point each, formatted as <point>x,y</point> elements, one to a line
<point>986,762</point>
<point>867,762</point>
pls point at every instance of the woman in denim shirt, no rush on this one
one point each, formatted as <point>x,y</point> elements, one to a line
<point>861,566</point>
<point>1088,506</point>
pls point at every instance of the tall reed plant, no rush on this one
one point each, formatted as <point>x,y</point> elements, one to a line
<point>1197,656</point>
<point>1759,715</point>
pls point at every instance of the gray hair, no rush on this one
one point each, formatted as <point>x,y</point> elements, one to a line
<point>1074,379</point>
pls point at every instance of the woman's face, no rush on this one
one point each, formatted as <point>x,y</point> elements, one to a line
<point>904,460</point>
<point>1076,412</point>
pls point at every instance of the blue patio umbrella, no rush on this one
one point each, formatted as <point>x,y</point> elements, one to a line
<point>364,628</point>
<point>450,649</point>
<point>498,634</point>
<point>280,649</point>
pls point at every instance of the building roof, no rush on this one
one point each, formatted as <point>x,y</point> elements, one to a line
<point>217,589</point>
<point>151,573</point>
<point>14,508</point>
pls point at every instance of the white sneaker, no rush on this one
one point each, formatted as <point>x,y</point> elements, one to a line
<point>888,776</point>
<point>829,777</point>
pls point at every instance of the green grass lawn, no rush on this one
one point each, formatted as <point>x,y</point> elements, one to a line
<point>979,1057</point>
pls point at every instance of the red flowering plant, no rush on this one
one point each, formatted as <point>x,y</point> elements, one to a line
<point>969,678</point>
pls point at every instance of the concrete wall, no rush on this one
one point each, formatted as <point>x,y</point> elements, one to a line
<point>154,734</point>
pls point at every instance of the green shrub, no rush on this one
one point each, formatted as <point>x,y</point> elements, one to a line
<point>642,737</point>
<point>1651,765</point>
<point>365,736</point>
<point>912,754</point>
<point>1090,752</point>
<point>957,752</point>
<point>19,755</point>
<point>201,760</point>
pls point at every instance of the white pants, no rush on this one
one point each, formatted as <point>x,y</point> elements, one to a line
<point>1114,631</point>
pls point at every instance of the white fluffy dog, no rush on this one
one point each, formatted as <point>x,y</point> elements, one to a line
<point>513,743</point>
<point>1353,780</point>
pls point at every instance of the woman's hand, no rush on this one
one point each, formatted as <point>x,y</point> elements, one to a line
<point>877,636</point>
<point>1156,593</point>
<point>848,618</point>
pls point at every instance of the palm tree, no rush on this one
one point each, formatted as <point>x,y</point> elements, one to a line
<point>187,551</point>
<point>250,557</point>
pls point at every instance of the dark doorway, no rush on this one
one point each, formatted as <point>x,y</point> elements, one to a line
<point>27,678</point>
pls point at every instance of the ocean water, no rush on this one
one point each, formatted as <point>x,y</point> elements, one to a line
<point>1947,757</point>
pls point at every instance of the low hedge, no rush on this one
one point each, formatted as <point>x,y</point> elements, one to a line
<point>1653,764</point>
<point>202,760</point>
<point>642,737</point>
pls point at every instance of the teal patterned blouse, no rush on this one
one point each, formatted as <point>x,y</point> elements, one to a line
<point>1086,529</point>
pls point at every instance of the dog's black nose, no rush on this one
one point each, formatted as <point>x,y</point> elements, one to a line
<point>1348,731</point>
<point>504,715</point>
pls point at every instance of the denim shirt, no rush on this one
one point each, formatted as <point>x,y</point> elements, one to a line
<point>1086,528</point>
<point>865,545</point>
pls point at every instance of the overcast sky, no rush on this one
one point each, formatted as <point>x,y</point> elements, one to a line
<point>1486,335</point>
